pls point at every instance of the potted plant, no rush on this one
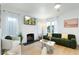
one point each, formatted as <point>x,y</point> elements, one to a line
<point>21,37</point>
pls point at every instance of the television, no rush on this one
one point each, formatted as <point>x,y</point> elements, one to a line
<point>29,20</point>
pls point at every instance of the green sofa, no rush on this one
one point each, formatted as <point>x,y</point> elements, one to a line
<point>70,42</point>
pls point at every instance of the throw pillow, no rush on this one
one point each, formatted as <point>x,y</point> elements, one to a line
<point>49,36</point>
<point>65,36</point>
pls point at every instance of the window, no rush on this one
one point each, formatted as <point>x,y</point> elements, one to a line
<point>50,27</point>
<point>12,26</point>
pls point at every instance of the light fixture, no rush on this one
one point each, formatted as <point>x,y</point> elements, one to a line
<point>57,6</point>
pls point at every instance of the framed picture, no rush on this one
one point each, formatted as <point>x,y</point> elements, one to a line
<point>71,23</point>
<point>29,21</point>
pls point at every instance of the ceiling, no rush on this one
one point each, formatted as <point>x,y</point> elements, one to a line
<point>40,10</point>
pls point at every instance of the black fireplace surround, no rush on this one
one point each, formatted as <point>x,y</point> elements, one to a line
<point>30,38</point>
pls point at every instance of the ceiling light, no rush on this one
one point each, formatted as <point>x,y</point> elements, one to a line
<point>57,6</point>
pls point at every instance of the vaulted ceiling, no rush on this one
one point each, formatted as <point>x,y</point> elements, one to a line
<point>40,10</point>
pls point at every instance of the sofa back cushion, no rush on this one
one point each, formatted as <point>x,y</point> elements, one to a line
<point>70,36</point>
<point>57,35</point>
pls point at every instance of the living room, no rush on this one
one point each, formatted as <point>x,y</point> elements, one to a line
<point>46,19</point>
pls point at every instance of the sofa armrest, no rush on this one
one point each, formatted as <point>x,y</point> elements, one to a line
<point>45,36</point>
<point>73,40</point>
<point>6,44</point>
<point>73,43</point>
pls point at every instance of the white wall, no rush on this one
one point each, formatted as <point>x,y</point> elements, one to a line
<point>26,29</point>
<point>69,15</point>
<point>0,21</point>
<point>0,29</point>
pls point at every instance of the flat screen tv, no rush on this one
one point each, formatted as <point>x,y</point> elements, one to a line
<point>29,20</point>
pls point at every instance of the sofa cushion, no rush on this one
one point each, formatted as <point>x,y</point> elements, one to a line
<point>56,35</point>
<point>70,36</point>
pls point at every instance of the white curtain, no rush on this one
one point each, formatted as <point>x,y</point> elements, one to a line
<point>10,24</point>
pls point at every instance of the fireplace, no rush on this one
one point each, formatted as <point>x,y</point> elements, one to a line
<point>30,38</point>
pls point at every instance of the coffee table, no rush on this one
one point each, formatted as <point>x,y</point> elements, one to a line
<point>48,44</point>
